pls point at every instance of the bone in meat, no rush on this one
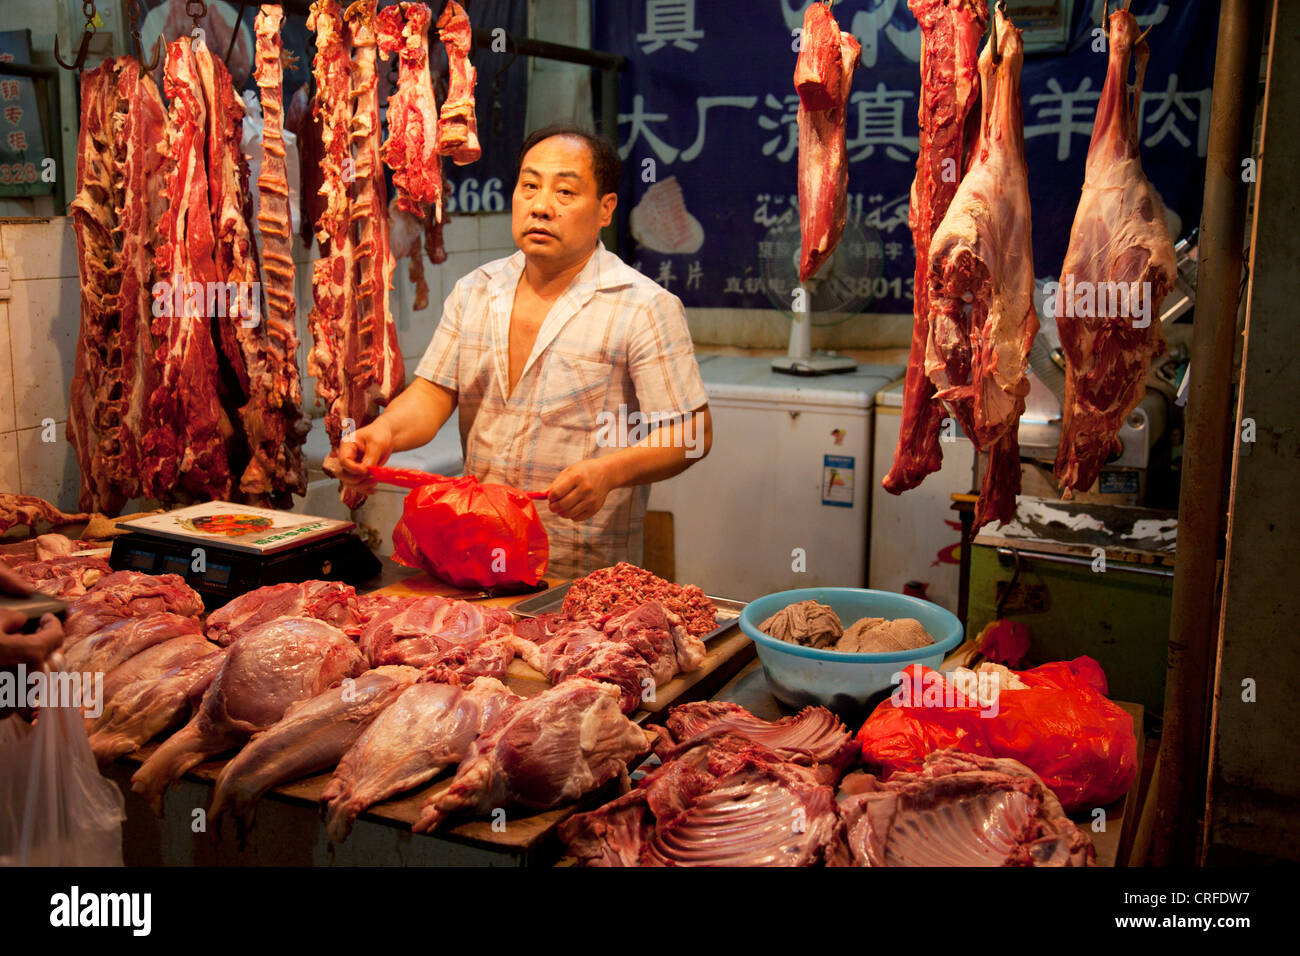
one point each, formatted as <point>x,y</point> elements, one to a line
<point>457,126</point>
<point>1119,244</point>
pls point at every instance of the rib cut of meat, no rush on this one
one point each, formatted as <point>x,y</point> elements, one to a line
<point>982,315</point>
<point>269,668</point>
<point>822,76</point>
<point>126,637</point>
<point>721,802</point>
<point>150,692</point>
<point>557,746</point>
<point>950,33</point>
<point>457,126</point>
<point>636,650</point>
<point>430,727</point>
<point>1119,245</point>
<point>411,148</point>
<point>311,737</point>
<point>432,630</point>
<point>186,429</point>
<point>114,212</point>
<point>814,736</point>
<point>960,810</point>
<point>128,594</point>
<point>330,601</point>
<point>31,511</point>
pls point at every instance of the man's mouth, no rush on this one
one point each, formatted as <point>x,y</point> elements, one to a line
<point>537,231</point>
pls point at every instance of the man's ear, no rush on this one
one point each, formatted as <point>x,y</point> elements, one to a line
<point>607,204</point>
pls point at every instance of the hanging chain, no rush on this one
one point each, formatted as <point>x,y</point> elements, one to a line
<point>196,10</point>
<point>88,10</point>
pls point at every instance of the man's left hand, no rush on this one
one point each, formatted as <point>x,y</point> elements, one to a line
<point>579,491</point>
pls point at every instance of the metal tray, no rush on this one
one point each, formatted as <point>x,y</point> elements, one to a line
<point>552,599</point>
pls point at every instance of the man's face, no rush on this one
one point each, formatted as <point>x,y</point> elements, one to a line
<point>557,212</point>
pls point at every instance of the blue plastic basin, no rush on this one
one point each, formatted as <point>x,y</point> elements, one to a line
<point>801,675</point>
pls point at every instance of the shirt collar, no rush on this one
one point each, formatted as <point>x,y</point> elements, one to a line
<point>601,273</point>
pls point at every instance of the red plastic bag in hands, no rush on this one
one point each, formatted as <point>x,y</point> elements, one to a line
<point>1061,726</point>
<point>470,534</point>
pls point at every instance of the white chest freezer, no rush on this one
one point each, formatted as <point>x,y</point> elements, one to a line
<point>782,500</point>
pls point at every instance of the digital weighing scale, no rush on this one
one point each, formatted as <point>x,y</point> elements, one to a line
<point>224,550</point>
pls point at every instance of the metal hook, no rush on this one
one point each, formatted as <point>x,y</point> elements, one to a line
<point>87,8</point>
<point>133,17</point>
<point>234,33</point>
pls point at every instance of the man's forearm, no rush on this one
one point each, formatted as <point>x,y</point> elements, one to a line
<point>667,451</point>
<point>415,416</point>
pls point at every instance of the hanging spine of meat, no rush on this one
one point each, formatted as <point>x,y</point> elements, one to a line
<point>114,213</point>
<point>950,33</point>
<point>1118,268</point>
<point>184,445</point>
<point>982,316</point>
<point>457,127</point>
<point>822,77</point>
<point>272,417</point>
<point>375,374</point>
<point>332,287</point>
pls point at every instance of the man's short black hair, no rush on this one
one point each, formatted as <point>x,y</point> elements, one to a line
<point>604,154</point>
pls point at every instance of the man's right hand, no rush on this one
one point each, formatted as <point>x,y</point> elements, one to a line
<point>368,446</point>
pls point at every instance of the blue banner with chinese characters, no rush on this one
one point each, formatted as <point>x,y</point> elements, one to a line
<point>23,169</point>
<point>709,97</point>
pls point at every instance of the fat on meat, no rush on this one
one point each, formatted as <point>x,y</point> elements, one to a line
<point>457,126</point>
<point>112,645</point>
<point>950,34</point>
<point>1120,242</point>
<point>432,630</point>
<point>430,727</point>
<point>982,315</point>
<point>311,737</point>
<point>331,601</point>
<point>264,672</point>
<point>555,747</point>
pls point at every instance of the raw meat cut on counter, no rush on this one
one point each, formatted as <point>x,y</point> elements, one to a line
<point>950,34</point>
<point>310,737</point>
<point>128,594</point>
<point>430,727</point>
<point>982,315</point>
<point>823,75</point>
<point>457,126</point>
<point>636,651</point>
<point>30,511</point>
<point>625,586</point>
<point>960,810</point>
<point>330,601</point>
<point>126,637</point>
<point>266,670</point>
<point>65,577</point>
<point>114,213</point>
<point>150,692</point>
<point>435,630</point>
<point>721,801</point>
<point>814,736</point>
<point>557,746</point>
<point>1119,246</point>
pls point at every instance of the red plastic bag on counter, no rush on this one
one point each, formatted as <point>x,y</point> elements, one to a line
<point>1061,726</point>
<point>472,535</point>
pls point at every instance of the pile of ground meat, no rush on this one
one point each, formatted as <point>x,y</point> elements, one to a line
<point>625,586</point>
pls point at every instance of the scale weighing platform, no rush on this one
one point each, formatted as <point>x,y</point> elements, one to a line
<point>224,550</point>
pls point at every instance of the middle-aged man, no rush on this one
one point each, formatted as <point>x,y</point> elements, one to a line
<point>550,355</point>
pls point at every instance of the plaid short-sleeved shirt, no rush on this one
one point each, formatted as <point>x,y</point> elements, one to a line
<point>613,338</point>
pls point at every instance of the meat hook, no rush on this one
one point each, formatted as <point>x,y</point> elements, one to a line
<point>196,10</point>
<point>87,8</point>
<point>133,17</point>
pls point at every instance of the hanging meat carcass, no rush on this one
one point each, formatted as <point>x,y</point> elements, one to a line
<point>822,77</point>
<point>186,430</point>
<point>982,316</point>
<point>114,212</point>
<point>457,126</point>
<point>950,33</point>
<point>1117,270</point>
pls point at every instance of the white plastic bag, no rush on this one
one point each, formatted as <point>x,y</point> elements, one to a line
<point>56,809</point>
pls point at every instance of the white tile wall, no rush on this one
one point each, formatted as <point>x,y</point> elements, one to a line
<point>6,375</point>
<point>9,478</point>
<point>49,468</point>
<point>44,315</point>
